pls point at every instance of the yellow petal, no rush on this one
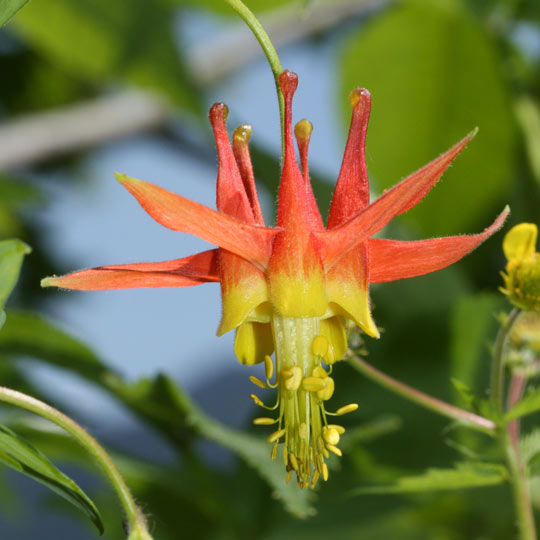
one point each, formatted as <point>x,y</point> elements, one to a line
<point>253,342</point>
<point>520,242</point>
<point>333,330</point>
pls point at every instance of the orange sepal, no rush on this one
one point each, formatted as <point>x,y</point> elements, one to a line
<point>186,272</point>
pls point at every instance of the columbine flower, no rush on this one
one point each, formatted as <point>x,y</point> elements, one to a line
<point>289,288</point>
<point>522,278</point>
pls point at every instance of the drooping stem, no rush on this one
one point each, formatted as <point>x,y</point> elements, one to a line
<point>133,514</point>
<point>497,364</point>
<point>420,398</point>
<point>267,47</point>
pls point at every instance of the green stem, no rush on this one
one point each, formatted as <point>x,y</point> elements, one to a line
<point>520,486</point>
<point>497,364</point>
<point>134,516</point>
<point>429,402</point>
<point>268,49</point>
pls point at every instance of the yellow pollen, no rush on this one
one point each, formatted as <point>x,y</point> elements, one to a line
<point>319,371</point>
<point>325,472</point>
<point>288,479</point>
<point>285,456</point>
<point>292,378</point>
<point>313,384</point>
<point>331,436</point>
<point>334,449</point>
<point>330,356</point>
<point>257,382</point>
<point>315,479</point>
<point>264,421</point>
<point>293,461</point>
<point>268,367</point>
<point>347,409</point>
<point>338,428</point>
<point>320,346</point>
<point>256,400</point>
<point>274,451</point>
<point>276,435</point>
<point>327,392</point>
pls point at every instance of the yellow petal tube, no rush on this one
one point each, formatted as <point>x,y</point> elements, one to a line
<point>253,342</point>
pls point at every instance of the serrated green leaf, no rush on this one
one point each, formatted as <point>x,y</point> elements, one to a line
<point>464,475</point>
<point>530,403</point>
<point>18,454</point>
<point>103,42</point>
<point>12,253</point>
<point>8,8</point>
<point>433,73</point>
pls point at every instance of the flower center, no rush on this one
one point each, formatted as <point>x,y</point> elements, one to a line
<point>303,386</point>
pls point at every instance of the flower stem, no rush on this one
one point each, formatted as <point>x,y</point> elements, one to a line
<point>520,486</point>
<point>134,516</point>
<point>429,402</point>
<point>497,364</point>
<point>268,49</point>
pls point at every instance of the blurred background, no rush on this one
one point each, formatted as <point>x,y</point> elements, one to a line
<point>92,87</point>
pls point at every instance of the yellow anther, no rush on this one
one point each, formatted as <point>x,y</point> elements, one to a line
<point>268,367</point>
<point>306,484</point>
<point>293,461</point>
<point>328,391</point>
<point>331,436</point>
<point>257,382</point>
<point>315,479</point>
<point>264,421</point>
<point>303,129</point>
<point>325,453</point>
<point>325,472</point>
<point>334,449</point>
<point>347,409</point>
<point>274,451</point>
<point>288,479</point>
<point>292,378</point>
<point>320,372</point>
<point>319,346</point>
<point>256,400</point>
<point>338,428</point>
<point>330,356</point>
<point>303,431</point>
<point>276,435</point>
<point>242,133</point>
<point>285,456</point>
<point>313,384</point>
<point>320,444</point>
<point>320,463</point>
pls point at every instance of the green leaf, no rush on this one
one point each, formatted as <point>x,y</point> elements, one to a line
<point>16,453</point>
<point>464,475</point>
<point>11,257</point>
<point>255,451</point>
<point>528,115</point>
<point>473,325</point>
<point>434,75</point>
<point>104,41</point>
<point>529,404</point>
<point>8,8</point>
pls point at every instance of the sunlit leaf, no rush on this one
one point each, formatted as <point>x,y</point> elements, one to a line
<point>433,73</point>
<point>24,458</point>
<point>8,8</point>
<point>104,41</point>
<point>464,475</point>
<point>11,257</point>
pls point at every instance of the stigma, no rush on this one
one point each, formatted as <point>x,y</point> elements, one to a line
<point>304,360</point>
